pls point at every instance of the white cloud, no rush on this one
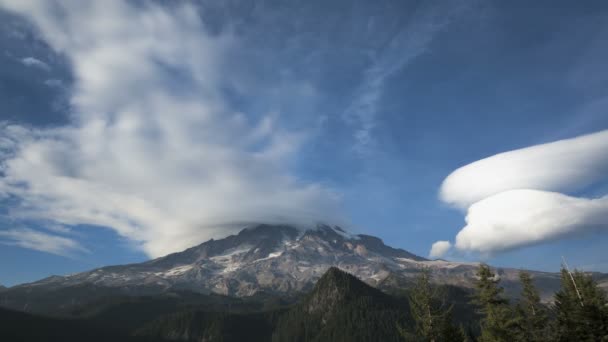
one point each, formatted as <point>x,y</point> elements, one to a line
<point>34,62</point>
<point>153,151</point>
<point>515,198</point>
<point>516,218</point>
<point>563,166</point>
<point>32,239</point>
<point>439,249</point>
<point>53,83</point>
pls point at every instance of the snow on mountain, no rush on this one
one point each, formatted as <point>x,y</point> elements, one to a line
<point>268,258</point>
<point>278,259</point>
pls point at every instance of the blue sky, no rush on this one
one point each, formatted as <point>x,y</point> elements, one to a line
<point>142,128</point>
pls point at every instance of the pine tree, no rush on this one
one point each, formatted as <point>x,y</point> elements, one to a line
<point>497,324</point>
<point>431,314</point>
<point>531,317</point>
<point>581,309</point>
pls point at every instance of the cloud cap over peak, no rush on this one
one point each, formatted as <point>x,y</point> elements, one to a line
<point>154,149</point>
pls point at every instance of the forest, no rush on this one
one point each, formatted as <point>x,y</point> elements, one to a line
<point>339,308</point>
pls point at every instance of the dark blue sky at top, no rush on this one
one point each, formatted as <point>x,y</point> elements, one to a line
<point>497,76</point>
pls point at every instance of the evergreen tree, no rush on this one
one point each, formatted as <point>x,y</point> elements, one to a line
<point>497,324</point>
<point>431,314</point>
<point>581,309</point>
<point>531,316</point>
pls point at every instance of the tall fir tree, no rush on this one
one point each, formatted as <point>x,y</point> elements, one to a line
<point>431,313</point>
<point>581,309</point>
<point>531,321</point>
<point>497,323</point>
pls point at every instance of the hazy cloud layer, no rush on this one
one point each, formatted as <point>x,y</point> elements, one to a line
<point>40,241</point>
<point>154,150</point>
<point>514,199</point>
<point>34,62</point>
<point>408,43</point>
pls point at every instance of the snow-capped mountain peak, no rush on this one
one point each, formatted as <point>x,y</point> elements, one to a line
<point>273,258</point>
<point>279,259</point>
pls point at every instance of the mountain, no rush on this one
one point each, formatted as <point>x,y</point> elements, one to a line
<point>343,308</point>
<point>275,260</point>
<point>339,307</point>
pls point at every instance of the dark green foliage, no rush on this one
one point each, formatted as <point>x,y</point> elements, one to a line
<point>211,326</point>
<point>342,308</point>
<point>18,326</point>
<point>148,319</point>
<point>339,308</point>
<point>531,322</point>
<point>431,313</point>
<point>580,315</point>
<point>497,323</point>
<point>48,301</point>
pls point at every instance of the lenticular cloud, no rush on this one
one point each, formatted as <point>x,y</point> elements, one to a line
<point>519,198</point>
<point>563,166</point>
<point>516,218</point>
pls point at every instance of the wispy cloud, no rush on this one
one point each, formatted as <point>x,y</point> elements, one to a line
<point>154,150</point>
<point>40,241</point>
<point>411,41</point>
<point>515,199</point>
<point>34,62</point>
<point>53,83</point>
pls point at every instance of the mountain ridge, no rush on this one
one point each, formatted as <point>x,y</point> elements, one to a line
<point>279,260</point>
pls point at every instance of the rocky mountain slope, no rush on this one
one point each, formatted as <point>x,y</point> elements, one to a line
<point>340,307</point>
<point>271,259</point>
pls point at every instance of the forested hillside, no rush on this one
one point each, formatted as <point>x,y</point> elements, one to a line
<point>339,308</point>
